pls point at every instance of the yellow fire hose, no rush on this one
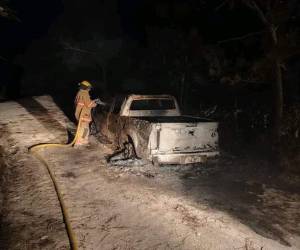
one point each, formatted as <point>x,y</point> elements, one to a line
<point>34,151</point>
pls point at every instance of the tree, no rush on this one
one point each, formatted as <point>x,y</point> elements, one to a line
<point>281,41</point>
<point>98,51</point>
<point>73,49</point>
<point>6,11</point>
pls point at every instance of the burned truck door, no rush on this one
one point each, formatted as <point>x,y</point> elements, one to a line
<point>114,118</point>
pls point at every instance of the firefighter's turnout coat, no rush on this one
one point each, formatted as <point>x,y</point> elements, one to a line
<point>84,106</point>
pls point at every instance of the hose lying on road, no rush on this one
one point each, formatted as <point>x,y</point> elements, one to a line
<point>34,151</point>
<point>48,145</point>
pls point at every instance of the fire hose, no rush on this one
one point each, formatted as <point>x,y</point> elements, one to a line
<point>34,151</point>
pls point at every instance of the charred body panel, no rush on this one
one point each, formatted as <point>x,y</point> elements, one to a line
<point>158,131</point>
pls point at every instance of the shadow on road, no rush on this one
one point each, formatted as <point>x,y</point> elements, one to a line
<point>259,200</point>
<point>42,114</point>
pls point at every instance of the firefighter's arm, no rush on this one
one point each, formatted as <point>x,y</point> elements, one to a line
<point>92,104</point>
<point>88,102</point>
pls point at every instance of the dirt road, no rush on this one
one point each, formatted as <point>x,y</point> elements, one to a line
<point>133,205</point>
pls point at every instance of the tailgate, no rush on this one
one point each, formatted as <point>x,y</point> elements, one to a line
<point>188,137</point>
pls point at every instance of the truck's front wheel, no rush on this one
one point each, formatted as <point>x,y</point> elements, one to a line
<point>129,151</point>
<point>155,162</point>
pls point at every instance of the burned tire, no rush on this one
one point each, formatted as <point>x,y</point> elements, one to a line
<point>129,151</point>
<point>156,163</point>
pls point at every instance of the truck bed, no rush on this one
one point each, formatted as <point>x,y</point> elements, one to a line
<point>173,119</point>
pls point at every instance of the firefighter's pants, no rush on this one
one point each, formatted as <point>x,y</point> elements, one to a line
<point>83,133</point>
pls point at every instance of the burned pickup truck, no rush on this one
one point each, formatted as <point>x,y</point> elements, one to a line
<point>151,127</point>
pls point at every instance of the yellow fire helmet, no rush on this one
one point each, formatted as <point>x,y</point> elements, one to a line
<point>86,84</point>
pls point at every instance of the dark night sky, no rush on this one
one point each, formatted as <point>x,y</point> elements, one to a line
<point>35,19</point>
<point>37,16</point>
<point>215,25</point>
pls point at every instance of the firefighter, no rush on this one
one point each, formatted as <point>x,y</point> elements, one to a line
<point>84,105</point>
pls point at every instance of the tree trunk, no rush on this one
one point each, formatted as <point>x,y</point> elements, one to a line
<point>277,116</point>
<point>276,81</point>
<point>277,85</point>
<point>278,101</point>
